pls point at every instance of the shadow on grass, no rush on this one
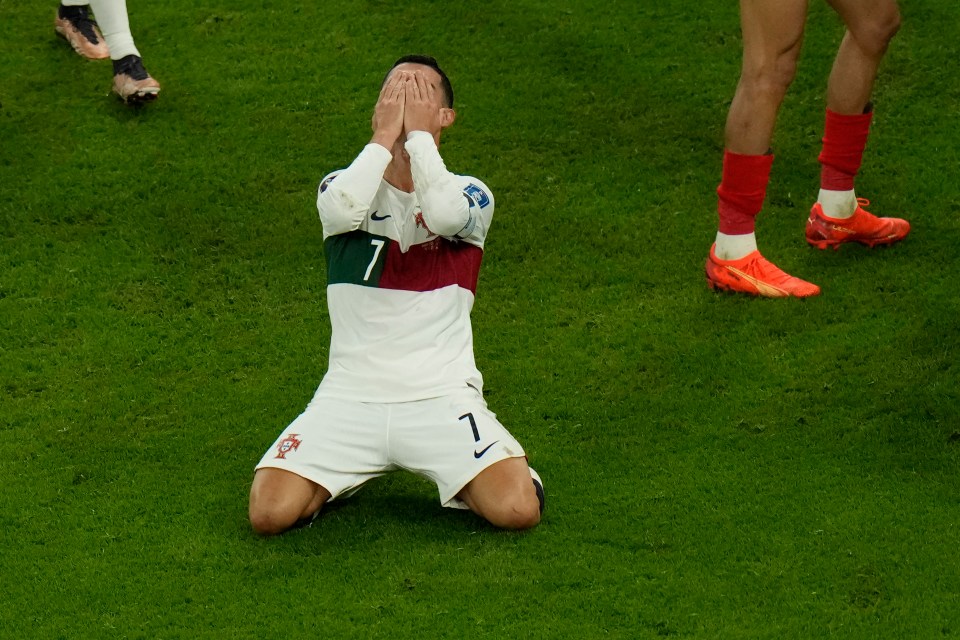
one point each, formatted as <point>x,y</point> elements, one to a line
<point>389,511</point>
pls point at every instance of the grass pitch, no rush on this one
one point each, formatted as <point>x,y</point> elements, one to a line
<point>716,467</point>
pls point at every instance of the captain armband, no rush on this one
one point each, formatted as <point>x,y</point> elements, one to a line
<point>473,213</point>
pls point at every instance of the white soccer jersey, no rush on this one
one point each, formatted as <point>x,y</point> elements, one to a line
<point>402,272</point>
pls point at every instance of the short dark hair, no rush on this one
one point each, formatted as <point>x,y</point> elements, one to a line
<point>428,61</point>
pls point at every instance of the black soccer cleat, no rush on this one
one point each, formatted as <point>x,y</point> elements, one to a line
<point>132,82</point>
<point>75,25</point>
<point>538,487</point>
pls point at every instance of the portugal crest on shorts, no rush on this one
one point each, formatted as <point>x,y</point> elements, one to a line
<point>288,444</point>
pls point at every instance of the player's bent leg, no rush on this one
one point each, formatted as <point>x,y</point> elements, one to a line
<point>871,25</point>
<point>131,81</point>
<point>772,37</point>
<point>505,495</point>
<point>279,499</point>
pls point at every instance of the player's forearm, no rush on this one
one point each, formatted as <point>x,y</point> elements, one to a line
<point>346,200</point>
<point>445,209</point>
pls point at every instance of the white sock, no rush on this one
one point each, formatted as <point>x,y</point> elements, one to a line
<point>74,3</point>
<point>838,204</point>
<point>111,15</point>
<point>734,247</point>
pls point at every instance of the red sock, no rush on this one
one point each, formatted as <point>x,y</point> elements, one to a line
<point>742,190</point>
<point>844,138</point>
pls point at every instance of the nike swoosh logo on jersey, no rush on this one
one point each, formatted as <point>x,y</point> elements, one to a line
<point>376,218</point>
<point>479,454</point>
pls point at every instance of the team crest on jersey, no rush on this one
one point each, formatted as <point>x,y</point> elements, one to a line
<point>287,445</point>
<point>423,225</point>
<point>477,194</point>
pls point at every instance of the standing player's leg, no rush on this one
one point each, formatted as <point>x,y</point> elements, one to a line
<point>507,494</point>
<point>772,36</point>
<point>837,217</point>
<point>279,499</point>
<point>130,79</point>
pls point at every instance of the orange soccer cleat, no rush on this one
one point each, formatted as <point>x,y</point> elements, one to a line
<point>862,227</point>
<point>755,275</point>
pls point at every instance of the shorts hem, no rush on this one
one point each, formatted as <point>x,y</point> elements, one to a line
<point>446,500</point>
<point>305,474</point>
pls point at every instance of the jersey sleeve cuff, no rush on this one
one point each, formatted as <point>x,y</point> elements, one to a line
<point>378,151</point>
<point>419,140</point>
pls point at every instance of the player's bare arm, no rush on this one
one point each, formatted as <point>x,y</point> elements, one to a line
<point>444,208</point>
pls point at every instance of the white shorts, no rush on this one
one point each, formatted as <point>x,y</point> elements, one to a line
<point>340,444</point>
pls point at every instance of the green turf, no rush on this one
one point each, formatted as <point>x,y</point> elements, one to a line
<point>716,467</point>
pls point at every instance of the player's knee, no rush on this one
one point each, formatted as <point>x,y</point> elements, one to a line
<point>770,80</point>
<point>875,35</point>
<point>270,521</point>
<point>528,518</point>
<point>517,512</point>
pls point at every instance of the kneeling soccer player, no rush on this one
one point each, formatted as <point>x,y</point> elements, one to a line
<point>403,239</point>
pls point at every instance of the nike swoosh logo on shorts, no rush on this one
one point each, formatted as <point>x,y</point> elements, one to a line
<point>376,218</point>
<point>479,454</point>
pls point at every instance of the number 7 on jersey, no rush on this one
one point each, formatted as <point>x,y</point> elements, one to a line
<point>376,254</point>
